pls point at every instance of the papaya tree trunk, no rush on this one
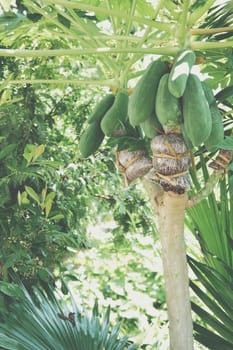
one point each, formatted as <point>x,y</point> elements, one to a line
<point>171,209</point>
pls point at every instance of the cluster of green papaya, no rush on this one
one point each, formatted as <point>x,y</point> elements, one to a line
<point>166,98</point>
<point>107,119</point>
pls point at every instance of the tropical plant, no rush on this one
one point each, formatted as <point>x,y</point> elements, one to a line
<point>214,326</point>
<point>211,223</point>
<point>43,321</point>
<point>118,36</point>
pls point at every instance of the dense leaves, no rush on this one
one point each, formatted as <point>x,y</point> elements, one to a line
<point>218,301</point>
<point>52,324</point>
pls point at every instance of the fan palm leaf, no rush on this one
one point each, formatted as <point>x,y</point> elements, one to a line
<point>215,330</point>
<point>211,222</point>
<point>219,16</point>
<point>38,322</point>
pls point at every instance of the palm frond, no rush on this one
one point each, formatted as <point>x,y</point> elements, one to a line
<point>211,222</point>
<point>219,16</point>
<point>214,290</point>
<point>40,321</point>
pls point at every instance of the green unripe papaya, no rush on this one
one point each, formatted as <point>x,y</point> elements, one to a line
<point>196,112</point>
<point>91,139</point>
<point>101,108</point>
<point>142,100</point>
<point>187,141</point>
<point>116,116</point>
<point>167,106</point>
<point>217,132</point>
<point>180,72</point>
<point>151,127</point>
<point>208,93</point>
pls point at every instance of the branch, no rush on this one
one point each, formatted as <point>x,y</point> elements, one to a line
<point>66,30</point>
<point>205,191</point>
<point>95,52</point>
<point>104,11</point>
<point>110,82</point>
<point>183,24</point>
<point>209,45</point>
<point>143,39</point>
<point>206,31</point>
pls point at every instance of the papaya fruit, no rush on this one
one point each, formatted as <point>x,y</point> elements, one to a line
<point>101,108</point>
<point>91,139</point>
<point>180,72</point>
<point>196,112</point>
<point>151,127</point>
<point>167,106</point>
<point>187,141</point>
<point>217,132</point>
<point>142,100</point>
<point>208,93</point>
<point>116,116</point>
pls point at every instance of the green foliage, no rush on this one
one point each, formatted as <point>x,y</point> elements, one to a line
<point>41,321</point>
<point>214,328</point>
<point>48,194</point>
<point>124,270</point>
<point>37,224</point>
<point>211,222</point>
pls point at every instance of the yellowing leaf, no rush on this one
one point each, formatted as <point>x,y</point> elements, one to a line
<point>38,151</point>
<point>48,203</point>
<point>43,194</point>
<point>19,198</point>
<point>48,208</point>
<point>32,194</point>
<point>50,197</point>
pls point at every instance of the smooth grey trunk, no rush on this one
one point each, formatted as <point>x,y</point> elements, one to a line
<point>170,209</point>
<point>171,212</point>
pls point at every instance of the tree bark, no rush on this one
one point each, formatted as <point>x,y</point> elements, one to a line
<point>171,210</point>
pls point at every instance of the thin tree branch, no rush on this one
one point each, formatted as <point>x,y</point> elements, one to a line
<point>182,34</point>
<point>95,52</point>
<point>206,31</point>
<point>209,45</point>
<point>206,190</point>
<point>110,82</point>
<point>105,11</point>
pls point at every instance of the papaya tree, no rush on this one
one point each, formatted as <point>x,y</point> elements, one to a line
<point>156,111</point>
